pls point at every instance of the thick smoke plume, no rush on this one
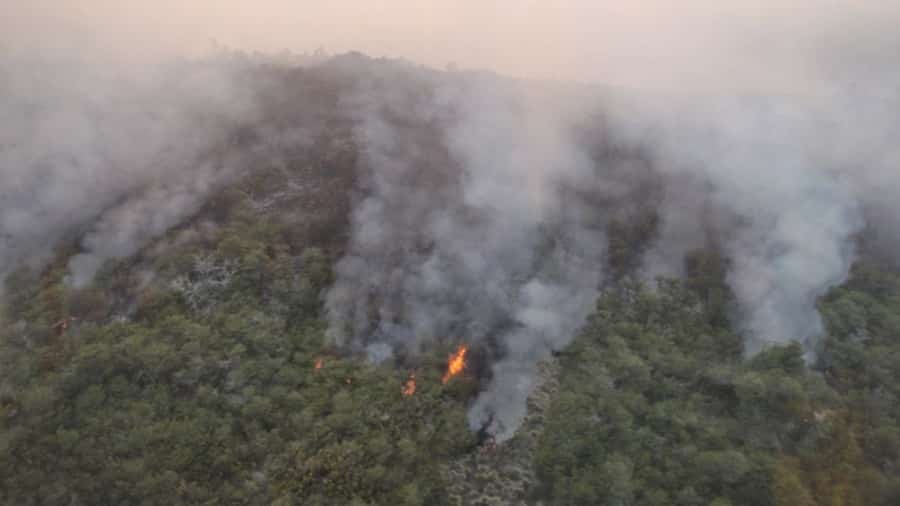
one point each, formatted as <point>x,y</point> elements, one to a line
<point>498,248</point>
<point>784,185</point>
<point>112,155</point>
<point>486,247</point>
<point>483,204</point>
<point>781,206</point>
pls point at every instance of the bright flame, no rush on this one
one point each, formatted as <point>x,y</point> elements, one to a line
<point>456,363</point>
<point>319,363</point>
<point>409,387</point>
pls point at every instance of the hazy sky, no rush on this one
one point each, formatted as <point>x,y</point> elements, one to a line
<point>651,43</point>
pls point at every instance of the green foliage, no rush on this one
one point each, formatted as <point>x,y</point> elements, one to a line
<point>149,399</point>
<point>186,375</point>
<point>657,405</point>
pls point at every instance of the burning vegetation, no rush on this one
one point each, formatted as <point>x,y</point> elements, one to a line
<point>303,455</point>
<point>409,388</point>
<point>456,363</point>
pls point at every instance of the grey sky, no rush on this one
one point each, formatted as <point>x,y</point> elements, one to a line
<point>703,44</point>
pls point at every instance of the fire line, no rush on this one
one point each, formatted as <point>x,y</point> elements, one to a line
<point>409,387</point>
<point>456,363</point>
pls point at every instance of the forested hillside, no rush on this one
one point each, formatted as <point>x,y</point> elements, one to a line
<point>203,369</point>
<point>658,406</point>
<point>212,383</point>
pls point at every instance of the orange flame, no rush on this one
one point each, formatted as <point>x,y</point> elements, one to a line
<point>456,363</point>
<point>319,363</point>
<point>409,387</point>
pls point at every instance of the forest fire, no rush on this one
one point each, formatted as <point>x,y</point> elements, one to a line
<point>409,387</point>
<point>456,363</point>
<point>319,363</point>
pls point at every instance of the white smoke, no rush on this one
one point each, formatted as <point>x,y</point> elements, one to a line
<point>784,185</point>
<point>120,152</point>
<point>481,247</point>
<point>480,214</point>
<point>500,250</point>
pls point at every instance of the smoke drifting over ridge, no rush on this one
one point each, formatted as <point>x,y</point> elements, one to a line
<point>483,248</point>
<point>483,204</point>
<point>119,153</point>
<point>789,182</point>
<point>651,44</point>
<point>766,164</point>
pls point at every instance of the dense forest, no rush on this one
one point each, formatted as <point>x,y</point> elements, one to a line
<point>658,406</point>
<point>199,369</point>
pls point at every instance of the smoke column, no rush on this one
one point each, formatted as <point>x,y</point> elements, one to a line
<point>483,249</point>
<point>119,153</point>
<point>776,199</point>
<point>480,211</point>
<point>497,247</point>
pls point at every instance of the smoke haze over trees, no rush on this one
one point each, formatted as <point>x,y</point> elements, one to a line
<point>208,226</point>
<point>482,203</point>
